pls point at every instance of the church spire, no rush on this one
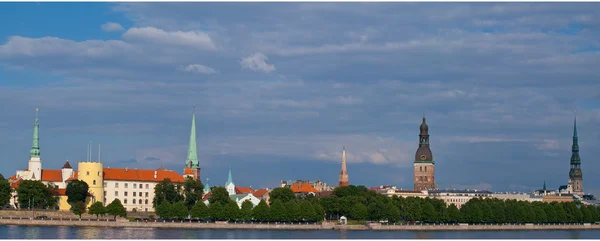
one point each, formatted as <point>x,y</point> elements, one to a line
<point>35,147</point>
<point>343,180</point>
<point>575,160</point>
<point>192,158</point>
<point>229,178</point>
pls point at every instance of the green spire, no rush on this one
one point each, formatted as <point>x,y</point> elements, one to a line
<point>575,160</point>
<point>192,158</point>
<point>544,185</point>
<point>35,147</point>
<point>229,178</point>
<point>206,187</point>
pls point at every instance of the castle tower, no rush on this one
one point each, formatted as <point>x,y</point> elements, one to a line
<point>35,163</point>
<point>92,173</point>
<point>343,180</point>
<point>575,185</point>
<point>229,185</point>
<point>66,171</point>
<point>192,159</point>
<point>424,165</point>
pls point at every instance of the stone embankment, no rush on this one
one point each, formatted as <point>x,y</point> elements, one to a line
<point>327,226</point>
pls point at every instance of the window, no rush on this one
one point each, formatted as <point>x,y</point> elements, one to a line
<point>140,194</point>
<point>116,193</point>
<point>125,194</point>
<point>125,185</point>
<point>146,209</point>
<point>105,194</point>
<point>133,201</point>
<point>426,169</point>
<point>420,169</point>
<point>146,186</point>
<point>87,173</point>
<point>125,201</point>
<point>146,201</point>
<point>98,173</point>
<point>146,194</point>
<point>134,194</point>
<point>94,182</point>
<point>141,186</point>
<point>134,185</point>
<point>105,184</point>
<point>116,185</point>
<point>140,202</point>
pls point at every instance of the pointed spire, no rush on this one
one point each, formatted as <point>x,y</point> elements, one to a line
<point>35,147</point>
<point>229,178</point>
<point>192,158</point>
<point>575,125</point>
<point>544,185</point>
<point>206,187</point>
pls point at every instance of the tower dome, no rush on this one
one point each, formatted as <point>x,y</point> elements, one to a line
<point>424,128</point>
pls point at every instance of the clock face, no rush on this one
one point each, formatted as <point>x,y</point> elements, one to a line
<point>423,157</point>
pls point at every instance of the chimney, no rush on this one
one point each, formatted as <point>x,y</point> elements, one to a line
<point>126,169</point>
<point>155,172</point>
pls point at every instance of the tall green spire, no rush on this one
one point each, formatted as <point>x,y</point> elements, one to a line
<point>544,185</point>
<point>35,147</point>
<point>575,160</point>
<point>192,158</point>
<point>229,178</point>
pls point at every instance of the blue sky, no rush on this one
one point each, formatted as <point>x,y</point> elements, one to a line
<point>279,88</point>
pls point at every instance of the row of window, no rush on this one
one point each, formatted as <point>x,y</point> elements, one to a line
<point>126,194</point>
<point>126,185</point>
<point>139,202</point>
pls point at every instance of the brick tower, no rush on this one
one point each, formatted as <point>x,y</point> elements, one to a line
<point>424,170</point>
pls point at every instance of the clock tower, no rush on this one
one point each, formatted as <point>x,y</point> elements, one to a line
<point>424,166</point>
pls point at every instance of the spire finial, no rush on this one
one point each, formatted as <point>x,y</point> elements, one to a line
<point>229,178</point>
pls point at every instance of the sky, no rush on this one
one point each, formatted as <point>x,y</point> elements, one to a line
<point>279,88</point>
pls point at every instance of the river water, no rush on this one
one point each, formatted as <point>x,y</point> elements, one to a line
<point>43,232</point>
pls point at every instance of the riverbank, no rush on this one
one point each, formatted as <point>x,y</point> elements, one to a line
<point>188,225</point>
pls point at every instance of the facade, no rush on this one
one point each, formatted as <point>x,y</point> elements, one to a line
<point>192,167</point>
<point>319,185</point>
<point>424,166</point>
<point>302,189</point>
<point>241,198</point>
<point>558,198</point>
<point>391,191</point>
<point>343,180</point>
<point>575,184</point>
<point>458,197</point>
<point>518,196</point>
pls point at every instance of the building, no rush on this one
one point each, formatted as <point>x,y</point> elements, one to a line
<point>319,185</point>
<point>241,198</point>
<point>391,191</point>
<point>303,189</point>
<point>192,167</point>
<point>424,172</point>
<point>458,197</point>
<point>229,185</point>
<point>528,197</point>
<point>558,198</point>
<point>575,184</point>
<point>343,180</point>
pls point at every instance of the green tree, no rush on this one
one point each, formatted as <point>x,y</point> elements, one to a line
<point>498,210</point>
<point>51,199</point>
<point>376,211</point>
<point>220,195</point>
<point>164,210</point>
<point>77,191</point>
<point>331,204</point>
<point>78,208</point>
<point>200,210</point>
<point>486,211</point>
<point>179,210</point>
<point>97,209</point>
<point>452,214</point>
<point>277,211</point>
<point>561,214</point>
<point>192,192</point>
<point>551,215</point>
<point>261,211</point>
<point>413,209</point>
<point>594,213</point>
<point>293,211</point>
<point>232,211</point>
<point>540,214</point>
<point>283,194</point>
<point>5,192</point>
<point>307,212</point>
<point>319,212</point>
<point>246,211</point>
<point>166,190</point>
<point>359,212</point>
<point>391,212</point>
<point>586,213</point>
<point>429,214</point>
<point>115,208</point>
<point>31,194</point>
<point>217,212</point>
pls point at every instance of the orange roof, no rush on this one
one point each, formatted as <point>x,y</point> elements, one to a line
<point>15,184</point>
<point>243,190</point>
<point>62,191</point>
<point>123,174</point>
<point>52,175</point>
<point>13,177</point>
<point>260,193</point>
<point>303,188</point>
<point>206,196</point>
<point>188,171</point>
<point>74,177</point>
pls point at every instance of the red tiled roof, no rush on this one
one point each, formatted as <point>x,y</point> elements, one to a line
<point>243,190</point>
<point>206,196</point>
<point>260,193</point>
<point>13,177</point>
<point>15,184</point>
<point>62,191</point>
<point>52,175</point>
<point>303,188</point>
<point>67,165</point>
<point>188,171</point>
<point>123,174</point>
<point>74,177</point>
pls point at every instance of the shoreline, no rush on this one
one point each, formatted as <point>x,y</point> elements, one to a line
<point>173,225</point>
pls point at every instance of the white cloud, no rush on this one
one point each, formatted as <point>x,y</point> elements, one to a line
<point>198,68</point>
<point>195,39</point>
<point>548,145</point>
<point>257,62</point>
<point>111,27</point>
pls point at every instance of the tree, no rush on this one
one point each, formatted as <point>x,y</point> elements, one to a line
<point>200,210</point>
<point>31,194</point>
<point>179,210</point>
<point>97,209</point>
<point>540,214</point>
<point>51,196</point>
<point>192,192</point>
<point>498,211</point>
<point>261,211</point>
<point>277,211</point>
<point>78,208</point>
<point>283,194</point>
<point>429,214</point>
<point>560,213</point>
<point>5,192</point>
<point>319,212</point>
<point>391,212</point>
<point>246,211</point>
<point>232,211</point>
<point>551,215</point>
<point>331,204</point>
<point>165,190</point>
<point>359,212</point>
<point>293,211</point>
<point>452,214</point>
<point>115,208</point>
<point>587,214</point>
<point>164,210</point>
<point>307,212</point>
<point>376,210</point>
<point>220,195</point>
<point>216,211</point>
<point>77,191</point>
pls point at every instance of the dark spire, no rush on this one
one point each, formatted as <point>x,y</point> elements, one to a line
<point>575,160</point>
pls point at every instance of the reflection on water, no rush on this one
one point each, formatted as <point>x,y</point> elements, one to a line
<point>33,232</point>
